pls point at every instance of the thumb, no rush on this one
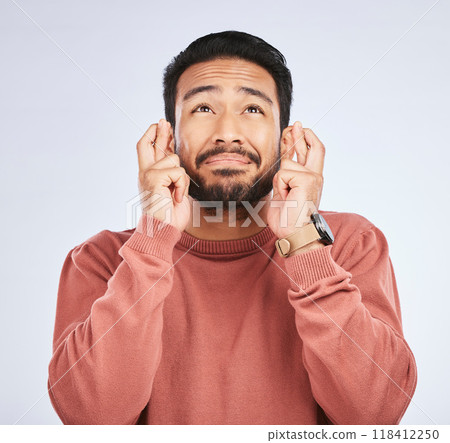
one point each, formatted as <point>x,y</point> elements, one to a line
<point>276,192</point>
<point>183,191</point>
<point>276,195</point>
<point>186,189</point>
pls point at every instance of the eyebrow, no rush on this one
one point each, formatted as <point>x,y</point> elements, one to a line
<point>214,88</point>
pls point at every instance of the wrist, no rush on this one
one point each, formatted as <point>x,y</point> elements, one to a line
<point>309,247</point>
<point>313,235</point>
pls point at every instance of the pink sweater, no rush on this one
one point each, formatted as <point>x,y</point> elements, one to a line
<point>164,330</point>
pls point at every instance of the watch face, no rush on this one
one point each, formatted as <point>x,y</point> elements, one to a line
<point>323,229</point>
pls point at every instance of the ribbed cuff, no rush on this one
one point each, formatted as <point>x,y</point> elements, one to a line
<point>311,266</point>
<point>155,237</point>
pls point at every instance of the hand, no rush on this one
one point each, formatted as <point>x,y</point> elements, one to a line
<point>296,183</point>
<point>160,175</point>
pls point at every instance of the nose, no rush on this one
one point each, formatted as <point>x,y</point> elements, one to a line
<point>227,130</point>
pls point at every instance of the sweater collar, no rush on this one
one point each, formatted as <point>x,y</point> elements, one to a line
<point>215,247</point>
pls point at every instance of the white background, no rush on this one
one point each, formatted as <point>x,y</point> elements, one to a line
<point>81,81</point>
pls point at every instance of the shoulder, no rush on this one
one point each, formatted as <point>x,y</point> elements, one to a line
<point>101,250</point>
<point>346,223</point>
<point>352,231</point>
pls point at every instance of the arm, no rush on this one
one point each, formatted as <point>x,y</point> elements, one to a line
<point>361,369</point>
<point>107,337</point>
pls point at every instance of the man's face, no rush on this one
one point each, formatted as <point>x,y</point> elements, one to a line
<point>227,131</point>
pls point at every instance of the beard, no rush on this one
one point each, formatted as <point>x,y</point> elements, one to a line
<point>237,186</point>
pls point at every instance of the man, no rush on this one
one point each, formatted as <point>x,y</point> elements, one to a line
<point>226,304</point>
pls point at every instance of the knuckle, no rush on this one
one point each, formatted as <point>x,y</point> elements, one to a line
<point>318,178</point>
<point>152,126</point>
<point>312,177</point>
<point>141,176</point>
<point>174,158</point>
<point>285,162</point>
<point>144,179</point>
<point>150,175</point>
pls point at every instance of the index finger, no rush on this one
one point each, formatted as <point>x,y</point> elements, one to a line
<point>316,154</point>
<point>145,149</point>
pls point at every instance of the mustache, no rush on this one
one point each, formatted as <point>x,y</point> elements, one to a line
<point>222,150</point>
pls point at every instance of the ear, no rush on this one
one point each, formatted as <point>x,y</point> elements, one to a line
<point>286,143</point>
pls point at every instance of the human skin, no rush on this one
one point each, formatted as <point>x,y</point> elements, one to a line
<point>229,118</point>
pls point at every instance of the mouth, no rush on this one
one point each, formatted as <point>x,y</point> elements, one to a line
<point>234,159</point>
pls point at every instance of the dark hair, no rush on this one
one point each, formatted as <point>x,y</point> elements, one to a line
<point>230,44</point>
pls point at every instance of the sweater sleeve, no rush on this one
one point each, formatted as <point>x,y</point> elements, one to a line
<point>107,337</point>
<point>348,316</point>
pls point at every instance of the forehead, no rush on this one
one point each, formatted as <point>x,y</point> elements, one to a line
<point>228,73</point>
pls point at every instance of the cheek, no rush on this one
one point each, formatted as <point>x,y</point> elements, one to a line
<point>265,139</point>
<point>263,128</point>
<point>195,131</point>
<point>269,152</point>
<point>191,138</point>
<point>262,135</point>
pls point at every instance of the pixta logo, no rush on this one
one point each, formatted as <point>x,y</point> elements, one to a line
<point>146,199</point>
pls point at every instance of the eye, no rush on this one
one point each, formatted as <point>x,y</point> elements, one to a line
<point>255,109</point>
<point>202,106</point>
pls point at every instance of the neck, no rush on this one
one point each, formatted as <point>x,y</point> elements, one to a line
<point>208,224</point>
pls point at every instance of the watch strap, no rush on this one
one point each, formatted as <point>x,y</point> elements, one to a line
<point>302,237</point>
